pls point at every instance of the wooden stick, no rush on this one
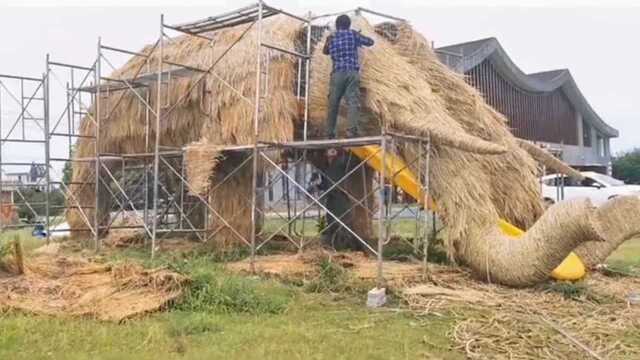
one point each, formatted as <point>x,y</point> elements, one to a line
<point>571,338</point>
<point>18,254</point>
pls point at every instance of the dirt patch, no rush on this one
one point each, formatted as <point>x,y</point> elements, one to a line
<point>124,238</point>
<point>135,238</point>
<point>591,319</point>
<point>305,265</point>
<point>280,266</point>
<point>59,285</point>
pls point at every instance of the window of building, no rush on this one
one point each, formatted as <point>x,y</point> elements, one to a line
<point>601,150</point>
<point>586,134</point>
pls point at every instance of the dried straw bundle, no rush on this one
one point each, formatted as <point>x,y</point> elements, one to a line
<point>575,225</point>
<point>201,158</point>
<point>548,160</point>
<point>231,198</point>
<point>529,260</point>
<point>71,286</point>
<point>12,256</point>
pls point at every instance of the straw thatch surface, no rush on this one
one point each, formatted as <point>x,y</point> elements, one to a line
<point>396,95</point>
<point>212,111</point>
<point>69,286</point>
<point>8,214</point>
<point>507,181</point>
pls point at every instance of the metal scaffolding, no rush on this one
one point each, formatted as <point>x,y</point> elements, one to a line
<point>138,183</point>
<point>23,125</point>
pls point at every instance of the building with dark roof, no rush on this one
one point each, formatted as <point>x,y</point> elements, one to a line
<point>545,107</point>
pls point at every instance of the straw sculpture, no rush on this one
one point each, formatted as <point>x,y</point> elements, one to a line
<point>624,218</point>
<point>479,171</point>
<point>487,179</point>
<point>512,175</point>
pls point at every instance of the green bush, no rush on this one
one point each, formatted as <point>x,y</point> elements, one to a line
<point>214,290</point>
<point>626,166</point>
<point>332,278</point>
<point>36,199</point>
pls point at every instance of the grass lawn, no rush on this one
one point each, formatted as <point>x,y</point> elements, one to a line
<point>240,317</point>
<point>311,327</point>
<point>28,242</point>
<point>234,317</point>
<point>405,227</point>
<point>627,256</point>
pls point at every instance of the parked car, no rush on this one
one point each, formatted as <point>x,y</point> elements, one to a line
<point>597,187</point>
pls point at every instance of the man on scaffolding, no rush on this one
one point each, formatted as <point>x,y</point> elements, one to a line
<point>343,47</point>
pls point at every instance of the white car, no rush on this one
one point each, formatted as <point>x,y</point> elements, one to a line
<point>597,187</point>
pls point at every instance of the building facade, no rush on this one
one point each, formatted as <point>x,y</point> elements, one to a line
<point>546,107</point>
<point>32,179</point>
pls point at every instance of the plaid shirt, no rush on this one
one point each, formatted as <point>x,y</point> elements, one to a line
<point>343,48</point>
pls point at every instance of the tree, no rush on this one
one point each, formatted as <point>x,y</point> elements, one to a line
<point>67,171</point>
<point>626,166</point>
<point>36,200</point>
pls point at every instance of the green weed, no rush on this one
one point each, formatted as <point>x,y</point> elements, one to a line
<point>214,290</point>
<point>211,292</point>
<point>331,278</point>
<point>568,290</point>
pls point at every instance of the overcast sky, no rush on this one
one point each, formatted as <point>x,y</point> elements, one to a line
<point>599,44</point>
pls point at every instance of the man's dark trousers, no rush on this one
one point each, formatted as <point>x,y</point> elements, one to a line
<point>347,84</point>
